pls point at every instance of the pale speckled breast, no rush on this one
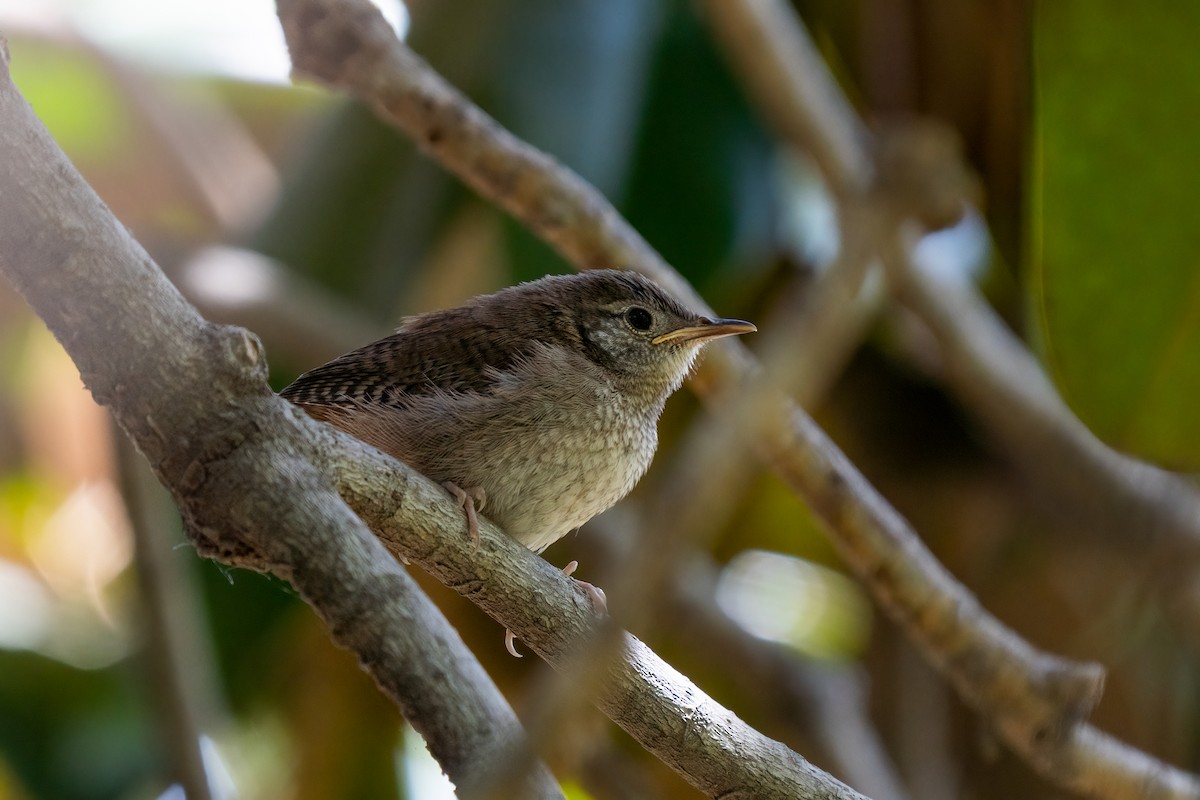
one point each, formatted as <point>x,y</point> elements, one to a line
<point>552,445</point>
<point>573,471</point>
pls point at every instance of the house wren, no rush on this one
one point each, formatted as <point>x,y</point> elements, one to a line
<point>538,404</point>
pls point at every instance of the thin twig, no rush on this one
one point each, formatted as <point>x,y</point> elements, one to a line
<point>180,658</point>
<point>216,157</point>
<point>827,703</point>
<point>792,87</point>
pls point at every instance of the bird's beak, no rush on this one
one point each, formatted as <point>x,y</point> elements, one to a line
<point>706,330</point>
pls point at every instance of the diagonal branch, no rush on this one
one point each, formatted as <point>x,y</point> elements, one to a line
<point>1036,700</point>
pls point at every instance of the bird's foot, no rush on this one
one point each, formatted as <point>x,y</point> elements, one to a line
<point>594,593</point>
<point>470,500</point>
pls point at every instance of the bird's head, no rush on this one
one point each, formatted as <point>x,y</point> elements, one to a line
<point>646,339</point>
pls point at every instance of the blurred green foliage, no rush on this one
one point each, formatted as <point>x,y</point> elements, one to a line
<point>87,113</point>
<point>68,733</point>
<point>1116,257</point>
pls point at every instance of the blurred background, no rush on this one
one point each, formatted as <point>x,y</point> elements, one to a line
<point>294,213</point>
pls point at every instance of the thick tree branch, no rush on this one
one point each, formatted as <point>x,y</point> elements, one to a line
<point>193,397</point>
<point>1037,701</point>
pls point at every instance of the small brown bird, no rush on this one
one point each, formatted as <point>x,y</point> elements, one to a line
<point>538,404</point>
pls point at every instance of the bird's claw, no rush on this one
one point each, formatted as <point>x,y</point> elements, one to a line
<point>593,593</point>
<point>510,643</point>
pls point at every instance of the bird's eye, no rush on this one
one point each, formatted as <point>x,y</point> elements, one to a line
<point>639,318</point>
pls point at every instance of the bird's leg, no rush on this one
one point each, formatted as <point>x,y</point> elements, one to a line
<point>470,500</point>
<point>594,593</point>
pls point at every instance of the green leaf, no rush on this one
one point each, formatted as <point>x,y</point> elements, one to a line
<point>1116,251</point>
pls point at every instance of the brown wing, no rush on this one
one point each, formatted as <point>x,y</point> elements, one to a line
<point>451,350</point>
